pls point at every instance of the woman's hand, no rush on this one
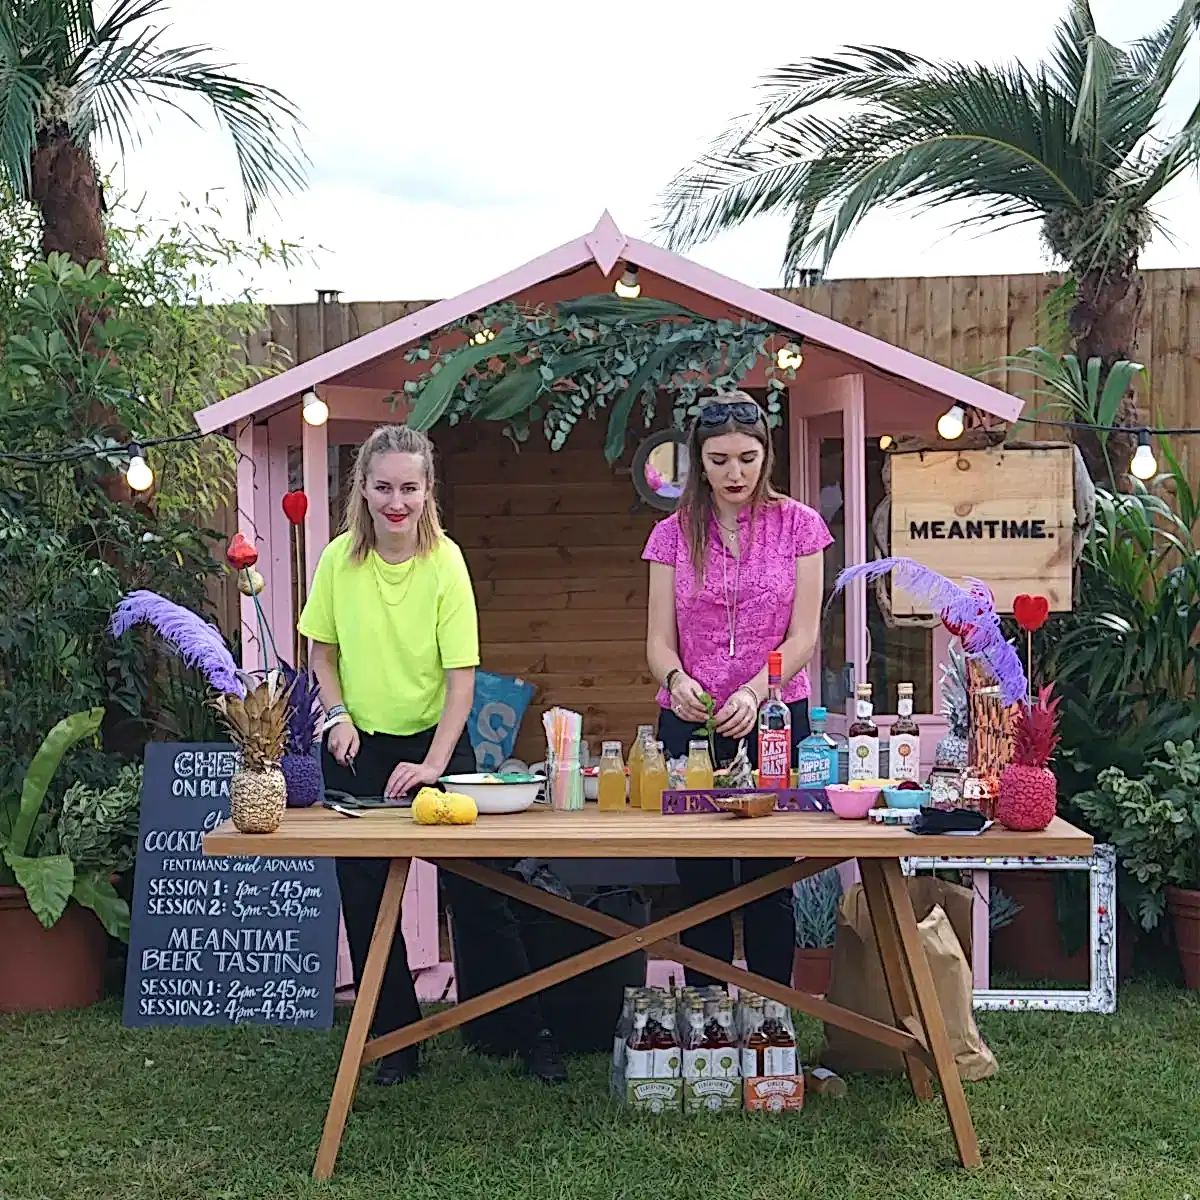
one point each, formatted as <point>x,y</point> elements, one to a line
<point>343,743</point>
<point>687,699</point>
<point>407,777</point>
<point>737,715</point>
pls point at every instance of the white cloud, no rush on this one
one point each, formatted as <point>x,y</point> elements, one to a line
<point>452,142</point>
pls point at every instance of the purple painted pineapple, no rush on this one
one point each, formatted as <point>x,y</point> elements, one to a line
<point>301,763</point>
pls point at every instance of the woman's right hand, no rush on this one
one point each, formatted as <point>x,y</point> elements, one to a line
<point>687,699</point>
<point>343,742</point>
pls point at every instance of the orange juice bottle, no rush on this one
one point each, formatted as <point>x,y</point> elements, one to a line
<point>610,778</point>
<point>637,755</point>
<point>654,777</point>
<point>698,774</point>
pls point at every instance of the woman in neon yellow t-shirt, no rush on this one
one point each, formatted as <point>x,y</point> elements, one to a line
<point>395,636</point>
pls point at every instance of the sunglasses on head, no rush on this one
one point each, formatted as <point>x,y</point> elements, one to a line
<point>722,412</point>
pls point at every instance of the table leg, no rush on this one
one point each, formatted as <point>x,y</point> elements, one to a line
<point>930,1011</point>
<point>887,938</point>
<point>363,1014</point>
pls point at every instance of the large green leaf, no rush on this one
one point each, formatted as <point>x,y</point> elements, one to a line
<point>47,883</point>
<point>97,893</point>
<point>434,398</point>
<point>41,771</point>
<point>614,442</point>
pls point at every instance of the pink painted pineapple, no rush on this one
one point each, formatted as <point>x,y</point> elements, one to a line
<point>1028,790</point>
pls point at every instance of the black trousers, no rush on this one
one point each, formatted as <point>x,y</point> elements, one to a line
<point>769,924</point>
<point>481,917</point>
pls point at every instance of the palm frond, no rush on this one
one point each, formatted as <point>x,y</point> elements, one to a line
<point>22,95</point>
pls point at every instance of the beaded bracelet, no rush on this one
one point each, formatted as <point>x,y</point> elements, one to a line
<point>342,718</point>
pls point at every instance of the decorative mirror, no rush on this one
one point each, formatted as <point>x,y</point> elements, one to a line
<point>660,467</point>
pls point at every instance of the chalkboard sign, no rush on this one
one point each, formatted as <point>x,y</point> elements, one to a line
<point>222,941</point>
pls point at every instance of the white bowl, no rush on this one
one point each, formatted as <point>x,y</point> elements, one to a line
<point>493,796</point>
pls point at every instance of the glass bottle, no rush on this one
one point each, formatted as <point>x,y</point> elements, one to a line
<point>639,1049</point>
<point>864,737</point>
<point>610,778</point>
<point>904,739</point>
<point>699,772</point>
<point>774,731</point>
<point>695,1056</point>
<point>754,1041</point>
<point>780,1051</point>
<point>637,755</point>
<point>624,1028</point>
<point>654,777</point>
<point>817,754</point>
<point>666,1053</point>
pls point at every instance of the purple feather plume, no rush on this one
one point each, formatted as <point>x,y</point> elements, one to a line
<point>197,643</point>
<point>960,608</point>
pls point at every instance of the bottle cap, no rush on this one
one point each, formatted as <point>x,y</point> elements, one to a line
<point>818,714</point>
<point>774,664</point>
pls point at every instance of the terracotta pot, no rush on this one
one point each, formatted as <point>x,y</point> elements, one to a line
<point>44,970</point>
<point>1184,906</point>
<point>810,969</point>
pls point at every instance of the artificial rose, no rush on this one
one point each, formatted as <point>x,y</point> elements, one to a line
<point>295,506</point>
<point>240,553</point>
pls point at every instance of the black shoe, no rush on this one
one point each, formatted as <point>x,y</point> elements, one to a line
<point>543,1060</point>
<point>399,1067</point>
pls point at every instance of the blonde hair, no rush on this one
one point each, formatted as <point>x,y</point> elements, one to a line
<point>390,439</point>
<point>695,507</point>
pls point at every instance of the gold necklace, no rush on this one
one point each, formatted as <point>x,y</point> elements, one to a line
<point>730,611</point>
<point>382,583</point>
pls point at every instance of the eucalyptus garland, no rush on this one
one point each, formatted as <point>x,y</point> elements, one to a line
<point>524,365</point>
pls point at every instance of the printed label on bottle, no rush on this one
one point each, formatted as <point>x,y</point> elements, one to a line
<point>773,759</point>
<point>864,709</point>
<point>864,758</point>
<point>697,1064</point>
<point>904,706</point>
<point>816,766</point>
<point>780,1060</point>
<point>638,1064</point>
<point>665,1063</point>
<point>725,1063</point>
<point>904,756</point>
<point>749,1062</point>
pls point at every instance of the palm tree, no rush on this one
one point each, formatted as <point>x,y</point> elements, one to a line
<point>67,79</point>
<point>1072,143</point>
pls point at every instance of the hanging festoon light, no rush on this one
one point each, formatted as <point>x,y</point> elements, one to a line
<point>952,423</point>
<point>138,474</point>
<point>314,410</point>
<point>789,358</point>
<point>1143,465</point>
<point>627,287</point>
<point>478,332</point>
<point>886,441</point>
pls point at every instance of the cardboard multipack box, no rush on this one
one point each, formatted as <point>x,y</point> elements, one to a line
<point>774,1093</point>
<point>652,1080</point>
<point>712,1079</point>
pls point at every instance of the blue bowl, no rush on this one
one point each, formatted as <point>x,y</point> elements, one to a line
<point>906,797</point>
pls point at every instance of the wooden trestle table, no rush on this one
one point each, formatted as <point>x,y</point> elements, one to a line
<point>816,840</point>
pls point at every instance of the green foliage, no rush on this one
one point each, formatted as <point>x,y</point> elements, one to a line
<point>1074,142</point>
<point>815,903</point>
<point>1002,908</point>
<point>97,827</point>
<point>556,365</point>
<point>1154,822</point>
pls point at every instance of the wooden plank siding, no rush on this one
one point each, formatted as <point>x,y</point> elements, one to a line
<point>554,539</point>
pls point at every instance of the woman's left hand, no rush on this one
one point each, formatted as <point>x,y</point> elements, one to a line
<point>737,715</point>
<point>407,777</point>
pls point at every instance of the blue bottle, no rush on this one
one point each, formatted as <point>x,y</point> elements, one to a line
<point>817,755</point>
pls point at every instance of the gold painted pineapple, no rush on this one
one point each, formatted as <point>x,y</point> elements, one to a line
<point>258,727</point>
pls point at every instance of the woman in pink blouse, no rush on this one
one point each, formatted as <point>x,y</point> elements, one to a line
<point>735,572</point>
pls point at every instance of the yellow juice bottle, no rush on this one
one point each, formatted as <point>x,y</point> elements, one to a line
<point>637,756</point>
<point>654,778</point>
<point>698,774</point>
<point>610,778</point>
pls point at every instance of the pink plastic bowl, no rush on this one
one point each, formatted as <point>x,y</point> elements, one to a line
<point>851,804</point>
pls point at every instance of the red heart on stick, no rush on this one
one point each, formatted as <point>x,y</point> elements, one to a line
<point>295,505</point>
<point>240,553</point>
<point>1031,611</point>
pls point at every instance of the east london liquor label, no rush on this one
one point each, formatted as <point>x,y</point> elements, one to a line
<point>1002,515</point>
<point>222,941</point>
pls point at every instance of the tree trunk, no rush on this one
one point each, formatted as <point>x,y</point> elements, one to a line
<point>65,189</point>
<point>1103,325</point>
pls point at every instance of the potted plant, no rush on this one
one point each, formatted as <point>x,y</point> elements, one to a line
<point>815,902</point>
<point>1154,822</point>
<point>56,880</point>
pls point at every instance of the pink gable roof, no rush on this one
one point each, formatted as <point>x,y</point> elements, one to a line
<point>606,246</point>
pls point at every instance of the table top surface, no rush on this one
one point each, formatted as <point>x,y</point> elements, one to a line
<point>631,833</point>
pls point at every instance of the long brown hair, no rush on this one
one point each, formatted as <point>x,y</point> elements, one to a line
<point>695,506</point>
<point>390,439</point>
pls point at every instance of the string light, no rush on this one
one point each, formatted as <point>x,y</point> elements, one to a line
<point>138,474</point>
<point>314,410</point>
<point>627,287</point>
<point>1143,465</point>
<point>789,358</point>
<point>952,423</point>
<point>886,442</point>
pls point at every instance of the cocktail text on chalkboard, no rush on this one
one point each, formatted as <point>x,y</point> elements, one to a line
<point>219,941</point>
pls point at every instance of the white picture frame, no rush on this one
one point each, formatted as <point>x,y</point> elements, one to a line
<point>1101,995</point>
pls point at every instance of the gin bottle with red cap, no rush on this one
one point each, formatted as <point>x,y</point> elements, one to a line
<point>774,731</point>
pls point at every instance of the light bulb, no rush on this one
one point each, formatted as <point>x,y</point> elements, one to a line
<point>1143,464</point>
<point>627,287</point>
<point>483,336</point>
<point>138,474</point>
<point>952,423</point>
<point>886,442</point>
<point>315,411</point>
<point>789,358</point>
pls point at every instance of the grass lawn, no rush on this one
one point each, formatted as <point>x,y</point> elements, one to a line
<point>1084,1107</point>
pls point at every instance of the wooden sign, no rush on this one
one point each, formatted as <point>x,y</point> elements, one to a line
<point>222,941</point>
<point>1004,516</point>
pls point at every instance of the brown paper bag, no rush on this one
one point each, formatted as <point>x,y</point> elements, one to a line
<point>943,913</point>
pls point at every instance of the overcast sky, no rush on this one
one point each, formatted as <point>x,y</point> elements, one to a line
<point>453,141</point>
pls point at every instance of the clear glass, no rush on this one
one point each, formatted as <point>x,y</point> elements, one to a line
<point>699,773</point>
<point>637,755</point>
<point>654,778</point>
<point>610,778</point>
